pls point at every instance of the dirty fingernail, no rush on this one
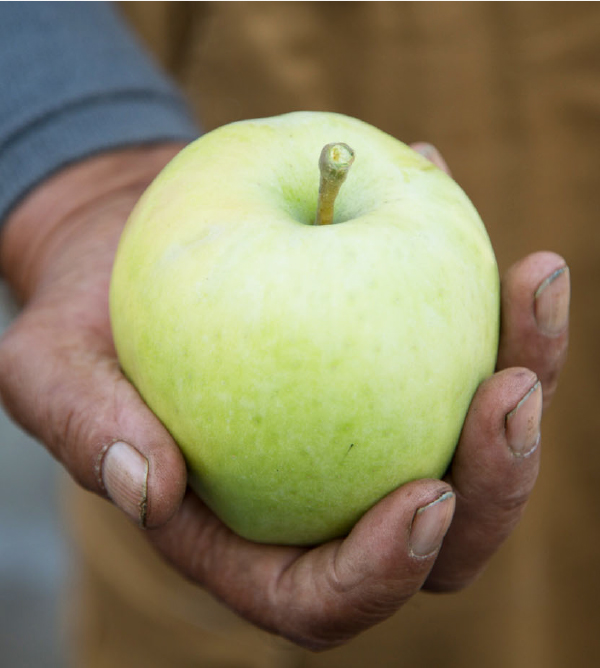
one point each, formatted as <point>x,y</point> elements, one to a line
<point>552,302</point>
<point>523,423</point>
<point>430,525</point>
<point>125,477</point>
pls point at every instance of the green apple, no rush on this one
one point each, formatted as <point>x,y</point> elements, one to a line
<point>305,370</point>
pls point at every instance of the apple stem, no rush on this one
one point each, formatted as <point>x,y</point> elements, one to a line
<point>334,164</point>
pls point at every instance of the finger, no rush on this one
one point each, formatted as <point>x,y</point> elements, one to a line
<point>366,578</point>
<point>493,473</point>
<point>317,598</point>
<point>430,152</point>
<point>64,387</point>
<point>535,315</point>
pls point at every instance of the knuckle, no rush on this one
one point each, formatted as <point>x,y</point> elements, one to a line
<point>343,617</point>
<point>511,504</point>
<point>38,393</point>
<point>514,495</point>
<point>498,508</point>
<point>70,434</point>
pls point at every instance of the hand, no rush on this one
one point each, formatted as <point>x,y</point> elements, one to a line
<point>60,379</point>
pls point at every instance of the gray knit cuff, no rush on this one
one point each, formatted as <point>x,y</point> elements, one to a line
<point>75,83</point>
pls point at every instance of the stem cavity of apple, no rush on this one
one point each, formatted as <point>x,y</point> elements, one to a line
<point>334,164</point>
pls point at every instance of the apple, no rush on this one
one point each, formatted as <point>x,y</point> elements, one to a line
<point>305,370</point>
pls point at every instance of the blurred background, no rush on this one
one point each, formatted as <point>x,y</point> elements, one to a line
<point>33,551</point>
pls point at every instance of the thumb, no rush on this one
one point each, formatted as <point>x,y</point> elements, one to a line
<point>63,385</point>
<point>383,562</point>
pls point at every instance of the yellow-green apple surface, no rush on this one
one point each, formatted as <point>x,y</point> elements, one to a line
<point>305,370</point>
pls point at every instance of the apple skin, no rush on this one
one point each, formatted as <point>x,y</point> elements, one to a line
<point>305,371</point>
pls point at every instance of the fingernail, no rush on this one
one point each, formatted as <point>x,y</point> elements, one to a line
<point>523,423</point>
<point>430,525</point>
<point>125,478</point>
<point>552,302</point>
<point>430,152</point>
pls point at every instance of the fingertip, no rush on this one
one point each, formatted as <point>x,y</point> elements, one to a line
<point>395,513</point>
<point>432,154</point>
<point>124,476</point>
<point>167,483</point>
<point>403,532</point>
<point>540,264</point>
<point>430,524</point>
<point>522,424</point>
<point>493,408</point>
<point>536,295</point>
<point>529,279</point>
<point>552,301</point>
<point>148,488</point>
<point>501,392</point>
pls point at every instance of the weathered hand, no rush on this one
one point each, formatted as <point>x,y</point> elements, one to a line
<point>324,596</point>
<point>60,379</point>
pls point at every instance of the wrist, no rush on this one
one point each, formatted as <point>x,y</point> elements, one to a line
<point>38,227</point>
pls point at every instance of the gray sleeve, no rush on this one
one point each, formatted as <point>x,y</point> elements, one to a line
<point>74,82</point>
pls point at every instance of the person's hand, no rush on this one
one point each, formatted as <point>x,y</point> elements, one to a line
<point>60,380</point>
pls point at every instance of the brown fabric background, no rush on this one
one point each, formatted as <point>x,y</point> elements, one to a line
<point>510,93</point>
